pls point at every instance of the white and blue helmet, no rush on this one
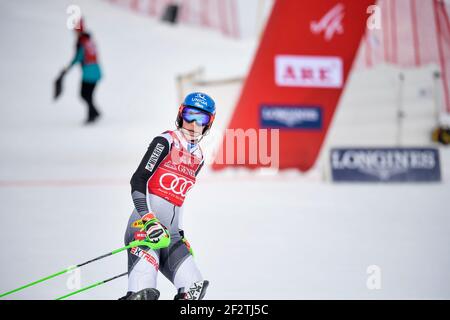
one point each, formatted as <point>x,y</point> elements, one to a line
<point>201,101</point>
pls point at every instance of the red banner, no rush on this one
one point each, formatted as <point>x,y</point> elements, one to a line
<point>295,82</point>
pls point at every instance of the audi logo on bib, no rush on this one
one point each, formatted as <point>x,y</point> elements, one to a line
<point>175,184</point>
<point>175,176</point>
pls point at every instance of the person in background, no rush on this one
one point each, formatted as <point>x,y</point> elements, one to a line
<point>86,56</point>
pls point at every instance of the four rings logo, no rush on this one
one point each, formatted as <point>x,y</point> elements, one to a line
<point>178,185</point>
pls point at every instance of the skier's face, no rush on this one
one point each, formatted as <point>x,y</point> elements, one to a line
<point>192,130</point>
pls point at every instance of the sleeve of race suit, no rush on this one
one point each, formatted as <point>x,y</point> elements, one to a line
<point>156,152</point>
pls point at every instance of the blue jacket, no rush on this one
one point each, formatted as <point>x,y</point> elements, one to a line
<point>90,68</point>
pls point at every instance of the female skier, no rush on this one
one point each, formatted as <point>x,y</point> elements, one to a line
<point>158,188</point>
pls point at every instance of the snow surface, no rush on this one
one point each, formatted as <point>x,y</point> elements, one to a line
<point>64,188</point>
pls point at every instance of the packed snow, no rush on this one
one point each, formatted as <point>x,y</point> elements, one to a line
<point>64,187</point>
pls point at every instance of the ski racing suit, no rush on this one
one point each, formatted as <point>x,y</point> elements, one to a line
<point>166,173</point>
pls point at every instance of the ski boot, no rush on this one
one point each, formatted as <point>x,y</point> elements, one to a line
<point>195,292</point>
<point>145,294</point>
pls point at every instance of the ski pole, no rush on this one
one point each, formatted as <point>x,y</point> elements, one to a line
<point>132,244</point>
<point>91,286</point>
<point>66,270</point>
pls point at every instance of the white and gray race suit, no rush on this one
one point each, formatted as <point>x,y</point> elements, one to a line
<point>175,262</point>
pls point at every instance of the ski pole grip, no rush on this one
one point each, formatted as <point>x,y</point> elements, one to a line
<point>163,243</point>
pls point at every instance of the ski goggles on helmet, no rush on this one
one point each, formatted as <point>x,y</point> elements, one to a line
<point>191,114</point>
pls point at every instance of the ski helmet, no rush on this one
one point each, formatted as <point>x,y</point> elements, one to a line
<point>201,101</point>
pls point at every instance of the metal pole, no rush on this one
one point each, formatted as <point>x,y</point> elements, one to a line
<point>400,111</point>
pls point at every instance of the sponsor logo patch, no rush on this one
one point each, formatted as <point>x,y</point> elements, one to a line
<point>147,217</point>
<point>138,224</point>
<point>195,291</point>
<point>185,170</point>
<point>145,255</point>
<point>154,157</point>
<point>140,235</point>
<point>291,117</point>
<point>308,71</point>
<point>385,164</point>
<point>330,23</point>
<point>169,164</point>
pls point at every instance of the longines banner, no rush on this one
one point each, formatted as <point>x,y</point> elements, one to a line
<point>385,165</point>
<point>295,82</point>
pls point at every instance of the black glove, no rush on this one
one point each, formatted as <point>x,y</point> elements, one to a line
<point>59,84</point>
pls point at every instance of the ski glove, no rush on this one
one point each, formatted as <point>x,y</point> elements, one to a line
<point>153,234</point>
<point>186,242</point>
<point>157,233</point>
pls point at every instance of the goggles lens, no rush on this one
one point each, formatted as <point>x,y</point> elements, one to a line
<point>190,114</point>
